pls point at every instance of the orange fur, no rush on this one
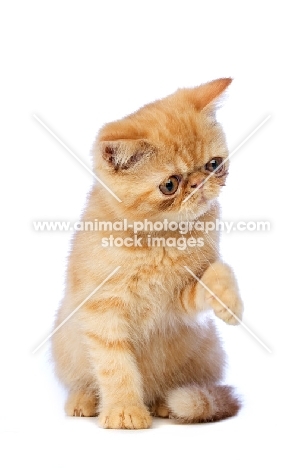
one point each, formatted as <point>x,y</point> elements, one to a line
<point>135,346</point>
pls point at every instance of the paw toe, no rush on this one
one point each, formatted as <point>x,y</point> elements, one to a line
<point>130,417</point>
<point>81,404</point>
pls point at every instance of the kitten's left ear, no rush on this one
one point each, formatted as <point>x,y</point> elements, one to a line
<point>207,93</point>
<point>125,154</point>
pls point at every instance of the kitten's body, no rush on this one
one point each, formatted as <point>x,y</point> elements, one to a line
<point>135,345</point>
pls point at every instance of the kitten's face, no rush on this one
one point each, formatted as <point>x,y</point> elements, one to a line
<point>165,161</point>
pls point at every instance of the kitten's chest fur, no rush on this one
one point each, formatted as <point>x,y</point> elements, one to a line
<point>149,278</point>
<point>152,282</point>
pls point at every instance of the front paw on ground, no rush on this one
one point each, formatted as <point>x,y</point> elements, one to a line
<point>81,404</point>
<point>126,417</point>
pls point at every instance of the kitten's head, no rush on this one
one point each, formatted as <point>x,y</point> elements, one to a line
<point>159,159</point>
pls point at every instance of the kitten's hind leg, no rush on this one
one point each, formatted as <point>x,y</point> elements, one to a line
<point>194,403</point>
<point>81,403</point>
<point>159,409</point>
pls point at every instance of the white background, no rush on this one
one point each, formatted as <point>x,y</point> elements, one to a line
<point>78,65</point>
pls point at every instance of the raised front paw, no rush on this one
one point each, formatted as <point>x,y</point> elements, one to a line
<point>222,293</point>
<point>125,417</point>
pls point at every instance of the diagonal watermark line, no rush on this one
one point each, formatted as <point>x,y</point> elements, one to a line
<point>230,156</point>
<point>229,310</point>
<point>77,158</point>
<point>78,307</point>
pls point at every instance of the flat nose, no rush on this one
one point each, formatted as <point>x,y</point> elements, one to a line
<point>195,180</point>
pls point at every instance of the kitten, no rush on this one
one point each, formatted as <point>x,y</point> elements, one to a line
<point>135,348</point>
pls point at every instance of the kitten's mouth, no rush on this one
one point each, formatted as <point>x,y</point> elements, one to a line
<point>197,206</point>
<point>197,198</point>
<point>202,199</point>
<point>197,194</point>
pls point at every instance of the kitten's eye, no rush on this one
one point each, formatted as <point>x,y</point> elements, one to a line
<point>213,165</point>
<point>170,186</point>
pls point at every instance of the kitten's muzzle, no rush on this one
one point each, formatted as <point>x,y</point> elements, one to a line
<point>196,180</point>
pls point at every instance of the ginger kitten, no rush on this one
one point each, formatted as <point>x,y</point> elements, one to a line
<point>135,348</point>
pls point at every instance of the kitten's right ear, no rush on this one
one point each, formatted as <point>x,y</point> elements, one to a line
<point>207,94</point>
<point>125,154</point>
